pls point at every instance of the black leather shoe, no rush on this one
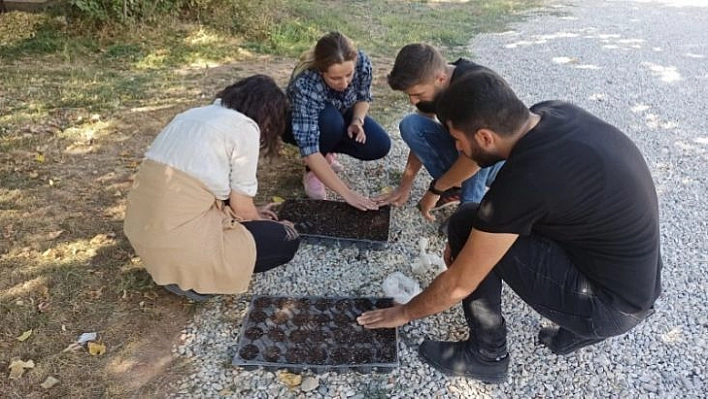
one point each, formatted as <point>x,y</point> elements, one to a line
<point>563,342</point>
<point>190,294</point>
<point>458,359</point>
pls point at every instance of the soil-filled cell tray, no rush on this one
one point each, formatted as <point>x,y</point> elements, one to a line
<point>317,333</point>
<point>337,220</point>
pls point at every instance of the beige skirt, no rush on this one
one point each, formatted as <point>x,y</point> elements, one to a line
<point>184,235</point>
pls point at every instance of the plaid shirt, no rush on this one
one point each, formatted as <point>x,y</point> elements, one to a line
<point>309,94</point>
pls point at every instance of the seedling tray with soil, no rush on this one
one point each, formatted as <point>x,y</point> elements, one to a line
<point>330,221</point>
<point>316,333</point>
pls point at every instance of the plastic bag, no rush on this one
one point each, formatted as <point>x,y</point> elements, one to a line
<point>426,261</point>
<point>400,287</point>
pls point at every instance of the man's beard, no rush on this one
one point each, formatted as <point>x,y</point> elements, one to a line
<point>483,159</point>
<point>427,107</point>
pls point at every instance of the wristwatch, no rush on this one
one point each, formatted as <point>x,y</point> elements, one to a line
<point>434,190</point>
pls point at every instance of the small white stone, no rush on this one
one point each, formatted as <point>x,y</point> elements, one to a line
<point>309,384</point>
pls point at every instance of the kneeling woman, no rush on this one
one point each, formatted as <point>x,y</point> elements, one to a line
<point>190,214</point>
<point>330,91</point>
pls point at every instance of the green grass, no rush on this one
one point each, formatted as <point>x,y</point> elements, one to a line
<point>383,26</point>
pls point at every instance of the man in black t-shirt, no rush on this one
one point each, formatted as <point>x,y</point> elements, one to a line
<point>421,72</point>
<point>571,224</point>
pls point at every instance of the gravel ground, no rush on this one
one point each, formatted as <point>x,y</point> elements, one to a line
<point>638,64</point>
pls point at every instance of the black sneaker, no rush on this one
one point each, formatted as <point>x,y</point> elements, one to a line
<point>458,359</point>
<point>190,294</point>
<point>563,342</point>
<point>449,197</point>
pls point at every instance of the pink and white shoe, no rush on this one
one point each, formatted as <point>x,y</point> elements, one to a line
<point>333,163</point>
<point>314,188</point>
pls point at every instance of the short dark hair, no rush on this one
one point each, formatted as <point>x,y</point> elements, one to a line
<point>415,63</point>
<point>481,99</point>
<point>259,98</point>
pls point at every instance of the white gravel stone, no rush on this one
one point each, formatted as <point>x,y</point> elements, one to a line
<point>309,384</point>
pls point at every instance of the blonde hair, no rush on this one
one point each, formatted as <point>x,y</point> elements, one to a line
<point>332,48</point>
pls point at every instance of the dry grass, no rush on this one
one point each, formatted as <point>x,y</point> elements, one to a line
<point>65,266</point>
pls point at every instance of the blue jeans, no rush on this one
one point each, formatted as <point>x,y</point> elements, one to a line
<point>542,274</point>
<point>334,138</point>
<point>435,148</point>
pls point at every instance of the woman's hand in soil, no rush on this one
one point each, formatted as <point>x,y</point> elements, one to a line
<point>356,132</point>
<point>266,212</point>
<point>360,202</point>
<point>395,316</point>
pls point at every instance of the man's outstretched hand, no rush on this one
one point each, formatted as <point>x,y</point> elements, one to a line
<point>397,197</point>
<point>395,316</point>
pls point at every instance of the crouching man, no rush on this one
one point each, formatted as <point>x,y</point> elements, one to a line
<point>571,224</point>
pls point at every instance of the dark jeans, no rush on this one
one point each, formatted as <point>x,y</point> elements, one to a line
<point>334,138</point>
<point>541,273</point>
<point>276,243</point>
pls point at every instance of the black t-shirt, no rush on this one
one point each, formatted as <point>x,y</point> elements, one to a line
<point>581,182</point>
<point>462,66</point>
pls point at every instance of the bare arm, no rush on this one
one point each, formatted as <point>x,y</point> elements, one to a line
<point>400,195</point>
<point>477,258</point>
<point>318,164</point>
<point>243,206</point>
<point>461,170</point>
<point>359,110</point>
<point>355,130</point>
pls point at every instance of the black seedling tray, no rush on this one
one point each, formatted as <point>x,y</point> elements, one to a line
<point>316,333</point>
<point>326,222</point>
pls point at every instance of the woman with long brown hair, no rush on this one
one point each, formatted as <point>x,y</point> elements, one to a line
<point>190,214</point>
<point>330,92</point>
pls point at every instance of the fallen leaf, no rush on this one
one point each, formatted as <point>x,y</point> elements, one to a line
<point>49,382</point>
<point>289,379</point>
<point>96,349</point>
<point>25,335</point>
<point>387,190</point>
<point>95,294</point>
<point>39,157</point>
<point>277,199</point>
<point>17,368</point>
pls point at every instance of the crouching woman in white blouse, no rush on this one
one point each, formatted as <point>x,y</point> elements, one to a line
<point>190,213</point>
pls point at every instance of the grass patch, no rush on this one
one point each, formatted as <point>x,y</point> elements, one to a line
<point>77,112</point>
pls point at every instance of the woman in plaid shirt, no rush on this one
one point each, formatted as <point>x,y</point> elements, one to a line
<point>330,91</point>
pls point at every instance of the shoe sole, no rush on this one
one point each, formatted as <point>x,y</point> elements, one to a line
<point>487,379</point>
<point>191,295</point>
<point>445,205</point>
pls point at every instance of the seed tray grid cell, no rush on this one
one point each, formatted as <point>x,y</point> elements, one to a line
<point>326,222</point>
<point>319,333</point>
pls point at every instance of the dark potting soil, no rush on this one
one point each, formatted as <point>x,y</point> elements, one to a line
<point>336,220</point>
<point>307,332</point>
